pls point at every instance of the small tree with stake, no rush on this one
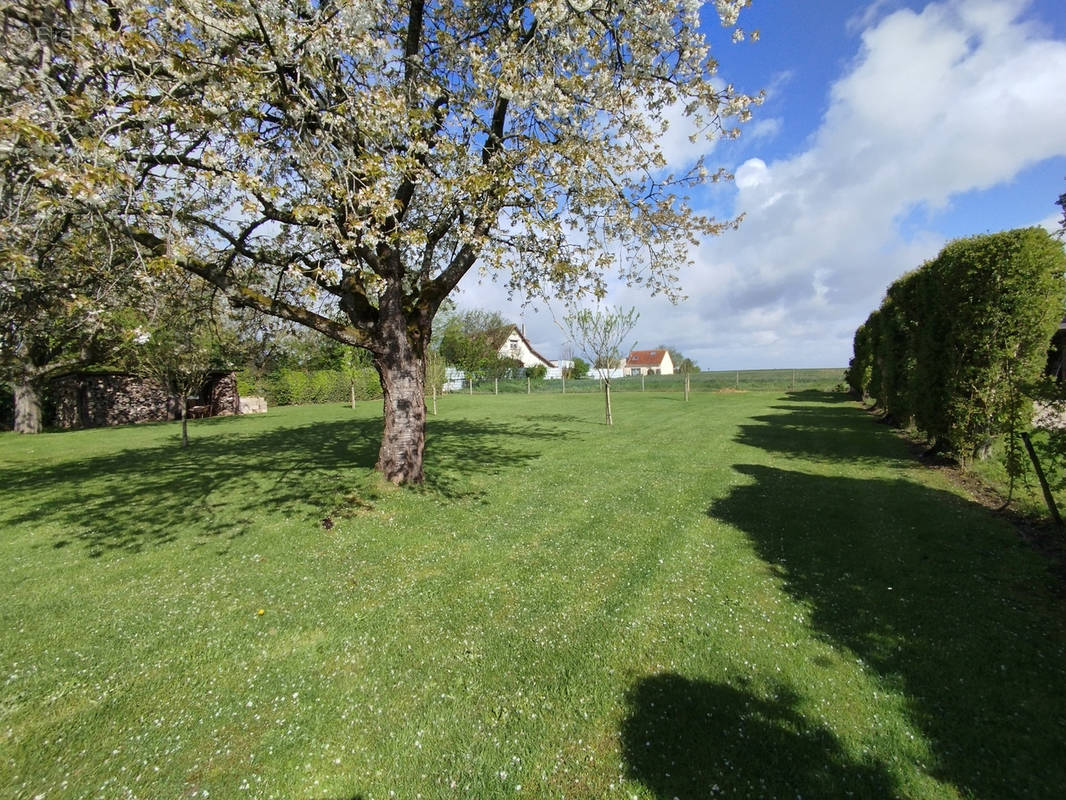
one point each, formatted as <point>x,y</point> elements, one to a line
<point>600,334</point>
<point>178,347</point>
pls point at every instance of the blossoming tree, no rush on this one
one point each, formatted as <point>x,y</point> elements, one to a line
<point>361,156</point>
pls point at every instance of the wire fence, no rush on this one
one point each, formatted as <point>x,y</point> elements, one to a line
<point>708,381</point>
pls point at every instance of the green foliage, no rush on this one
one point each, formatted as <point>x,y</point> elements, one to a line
<point>536,372</point>
<point>860,367</point>
<point>956,344</point>
<point>896,347</point>
<point>579,370</point>
<point>294,387</point>
<point>471,341</point>
<point>248,384</point>
<point>436,374</point>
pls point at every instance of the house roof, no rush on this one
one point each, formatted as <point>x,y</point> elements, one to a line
<point>500,336</point>
<point>645,358</point>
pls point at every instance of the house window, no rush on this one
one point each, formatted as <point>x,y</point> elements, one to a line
<point>634,371</point>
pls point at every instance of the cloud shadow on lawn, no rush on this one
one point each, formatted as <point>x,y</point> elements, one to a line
<point>226,483</point>
<point>941,598</point>
<point>690,739</point>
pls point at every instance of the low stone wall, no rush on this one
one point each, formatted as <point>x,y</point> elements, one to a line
<point>253,405</point>
<point>95,400</point>
<point>92,401</point>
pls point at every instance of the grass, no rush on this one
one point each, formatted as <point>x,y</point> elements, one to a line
<point>707,380</point>
<point>751,594</point>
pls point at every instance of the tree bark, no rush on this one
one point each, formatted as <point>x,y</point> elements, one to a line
<point>27,407</point>
<point>401,365</point>
<point>607,398</point>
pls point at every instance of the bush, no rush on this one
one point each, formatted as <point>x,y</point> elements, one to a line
<point>290,387</point>
<point>956,343</point>
<point>579,370</point>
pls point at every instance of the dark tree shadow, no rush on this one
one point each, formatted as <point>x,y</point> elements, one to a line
<point>691,739</point>
<point>226,483</point>
<point>929,589</point>
<point>819,396</point>
<point>820,426</point>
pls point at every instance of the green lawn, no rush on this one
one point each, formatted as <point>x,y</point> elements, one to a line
<point>746,595</point>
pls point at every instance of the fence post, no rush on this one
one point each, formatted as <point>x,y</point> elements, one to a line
<point>495,385</point>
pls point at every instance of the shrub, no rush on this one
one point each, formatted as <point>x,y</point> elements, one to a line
<point>286,387</point>
<point>955,343</point>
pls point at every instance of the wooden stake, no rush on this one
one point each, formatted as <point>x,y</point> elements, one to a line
<point>1048,497</point>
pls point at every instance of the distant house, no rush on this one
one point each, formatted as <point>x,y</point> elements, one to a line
<point>512,343</point>
<point>648,362</point>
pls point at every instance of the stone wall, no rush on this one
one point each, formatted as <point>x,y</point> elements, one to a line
<point>252,405</point>
<point>100,400</point>
<point>94,400</point>
<point>221,393</point>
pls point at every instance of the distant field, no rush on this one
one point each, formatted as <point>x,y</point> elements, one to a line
<point>751,594</point>
<point>752,379</point>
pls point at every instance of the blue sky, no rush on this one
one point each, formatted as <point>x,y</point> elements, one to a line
<point>889,128</point>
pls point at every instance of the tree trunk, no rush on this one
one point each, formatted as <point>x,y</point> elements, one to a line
<point>351,387</point>
<point>184,423</point>
<point>27,407</point>
<point>607,398</point>
<point>401,366</point>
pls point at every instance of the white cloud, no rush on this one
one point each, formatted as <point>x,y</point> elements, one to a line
<point>957,97</point>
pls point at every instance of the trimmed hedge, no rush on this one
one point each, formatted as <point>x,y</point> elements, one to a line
<point>955,343</point>
<point>292,387</point>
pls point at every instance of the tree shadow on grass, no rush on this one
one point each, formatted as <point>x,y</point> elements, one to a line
<point>819,396</point>
<point>820,426</point>
<point>941,599</point>
<point>229,483</point>
<point>691,739</point>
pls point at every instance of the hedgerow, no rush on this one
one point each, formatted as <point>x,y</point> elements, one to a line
<point>285,387</point>
<point>957,344</point>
